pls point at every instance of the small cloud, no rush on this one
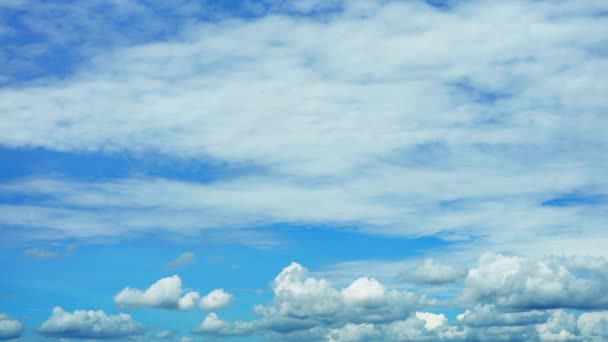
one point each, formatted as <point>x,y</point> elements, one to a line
<point>164,335</point>
<point>166,293</point>
<point>433,272</point>
<point>9,328</point>
<point>40,253</point>
<point>183,259</point>
<point>235,266</point>
<point>216,299</point>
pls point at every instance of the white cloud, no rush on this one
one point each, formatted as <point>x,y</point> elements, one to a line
<point>507,306</point>
<point>527,283</point>
<point>365,291</point>
<point>183,259</point>
<point>432,320</point>
<point>215,300</point>
<point>166,293</point>
<point>82,324</point>
<point>351,333</point>
<point>10,328</point>
<point>593,326</point>
<point>559,328</point>
<point>466,137</point>
<point>306,307</point>
<point>433,272</point>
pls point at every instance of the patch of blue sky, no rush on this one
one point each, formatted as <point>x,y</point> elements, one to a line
<point>99,166</point>
<point>244,271</point>
<point>576,199</point>
<point>53,40</point>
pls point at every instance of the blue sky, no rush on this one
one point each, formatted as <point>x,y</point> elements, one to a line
<point>303,170</point>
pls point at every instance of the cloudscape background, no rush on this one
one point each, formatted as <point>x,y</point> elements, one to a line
<point>304,170</point>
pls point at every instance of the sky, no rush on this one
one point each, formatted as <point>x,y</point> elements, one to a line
<point>303,170</point>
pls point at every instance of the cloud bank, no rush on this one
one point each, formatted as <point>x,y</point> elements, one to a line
<point>90,324</point>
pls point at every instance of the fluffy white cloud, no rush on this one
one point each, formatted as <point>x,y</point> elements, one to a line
<point>182,259</point>
<point>166,293</point>
<point>593,326</point>
<point>9,328</point>
<point>216,299</point>
<point>352,333</point>
<point>432,320</point>
<point>82,324</point>
<point>528,283</point>
<point>305,307</point>
<point>433,272</point>
<point>365,291</point>
<point>500,301</point>
<point>213,325</point>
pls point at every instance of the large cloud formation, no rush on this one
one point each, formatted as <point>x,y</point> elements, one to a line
<point>9,328</point>
<point>510,305</point>
<point>473,119</point>
<point>82,324</point>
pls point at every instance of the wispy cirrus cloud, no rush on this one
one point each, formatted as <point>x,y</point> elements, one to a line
<point>183,259</point>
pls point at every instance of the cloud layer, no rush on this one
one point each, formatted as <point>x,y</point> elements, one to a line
<point>90,324</point>
<point>478,120</point>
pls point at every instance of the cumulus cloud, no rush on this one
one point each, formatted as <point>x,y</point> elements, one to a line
<point>166,293</point>
<point>82,324</point>
<point>307,307</point>
<point>215,300</point>
<point>183,259</point>
<point>433,272</point>
<point>351,333</point>
<point>501,308</point>
<point>529,283</point>
<point>10,328</point>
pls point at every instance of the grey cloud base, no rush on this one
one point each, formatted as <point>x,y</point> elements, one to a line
<point>10,328</point>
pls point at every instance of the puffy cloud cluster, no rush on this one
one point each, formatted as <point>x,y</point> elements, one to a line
<point>502,300</point>
<point>546,283</point>
<point>167,293</point>
<point>216,299</point>
<point>82,324</point>
<point>305,306</point>
<point>9,328</point>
